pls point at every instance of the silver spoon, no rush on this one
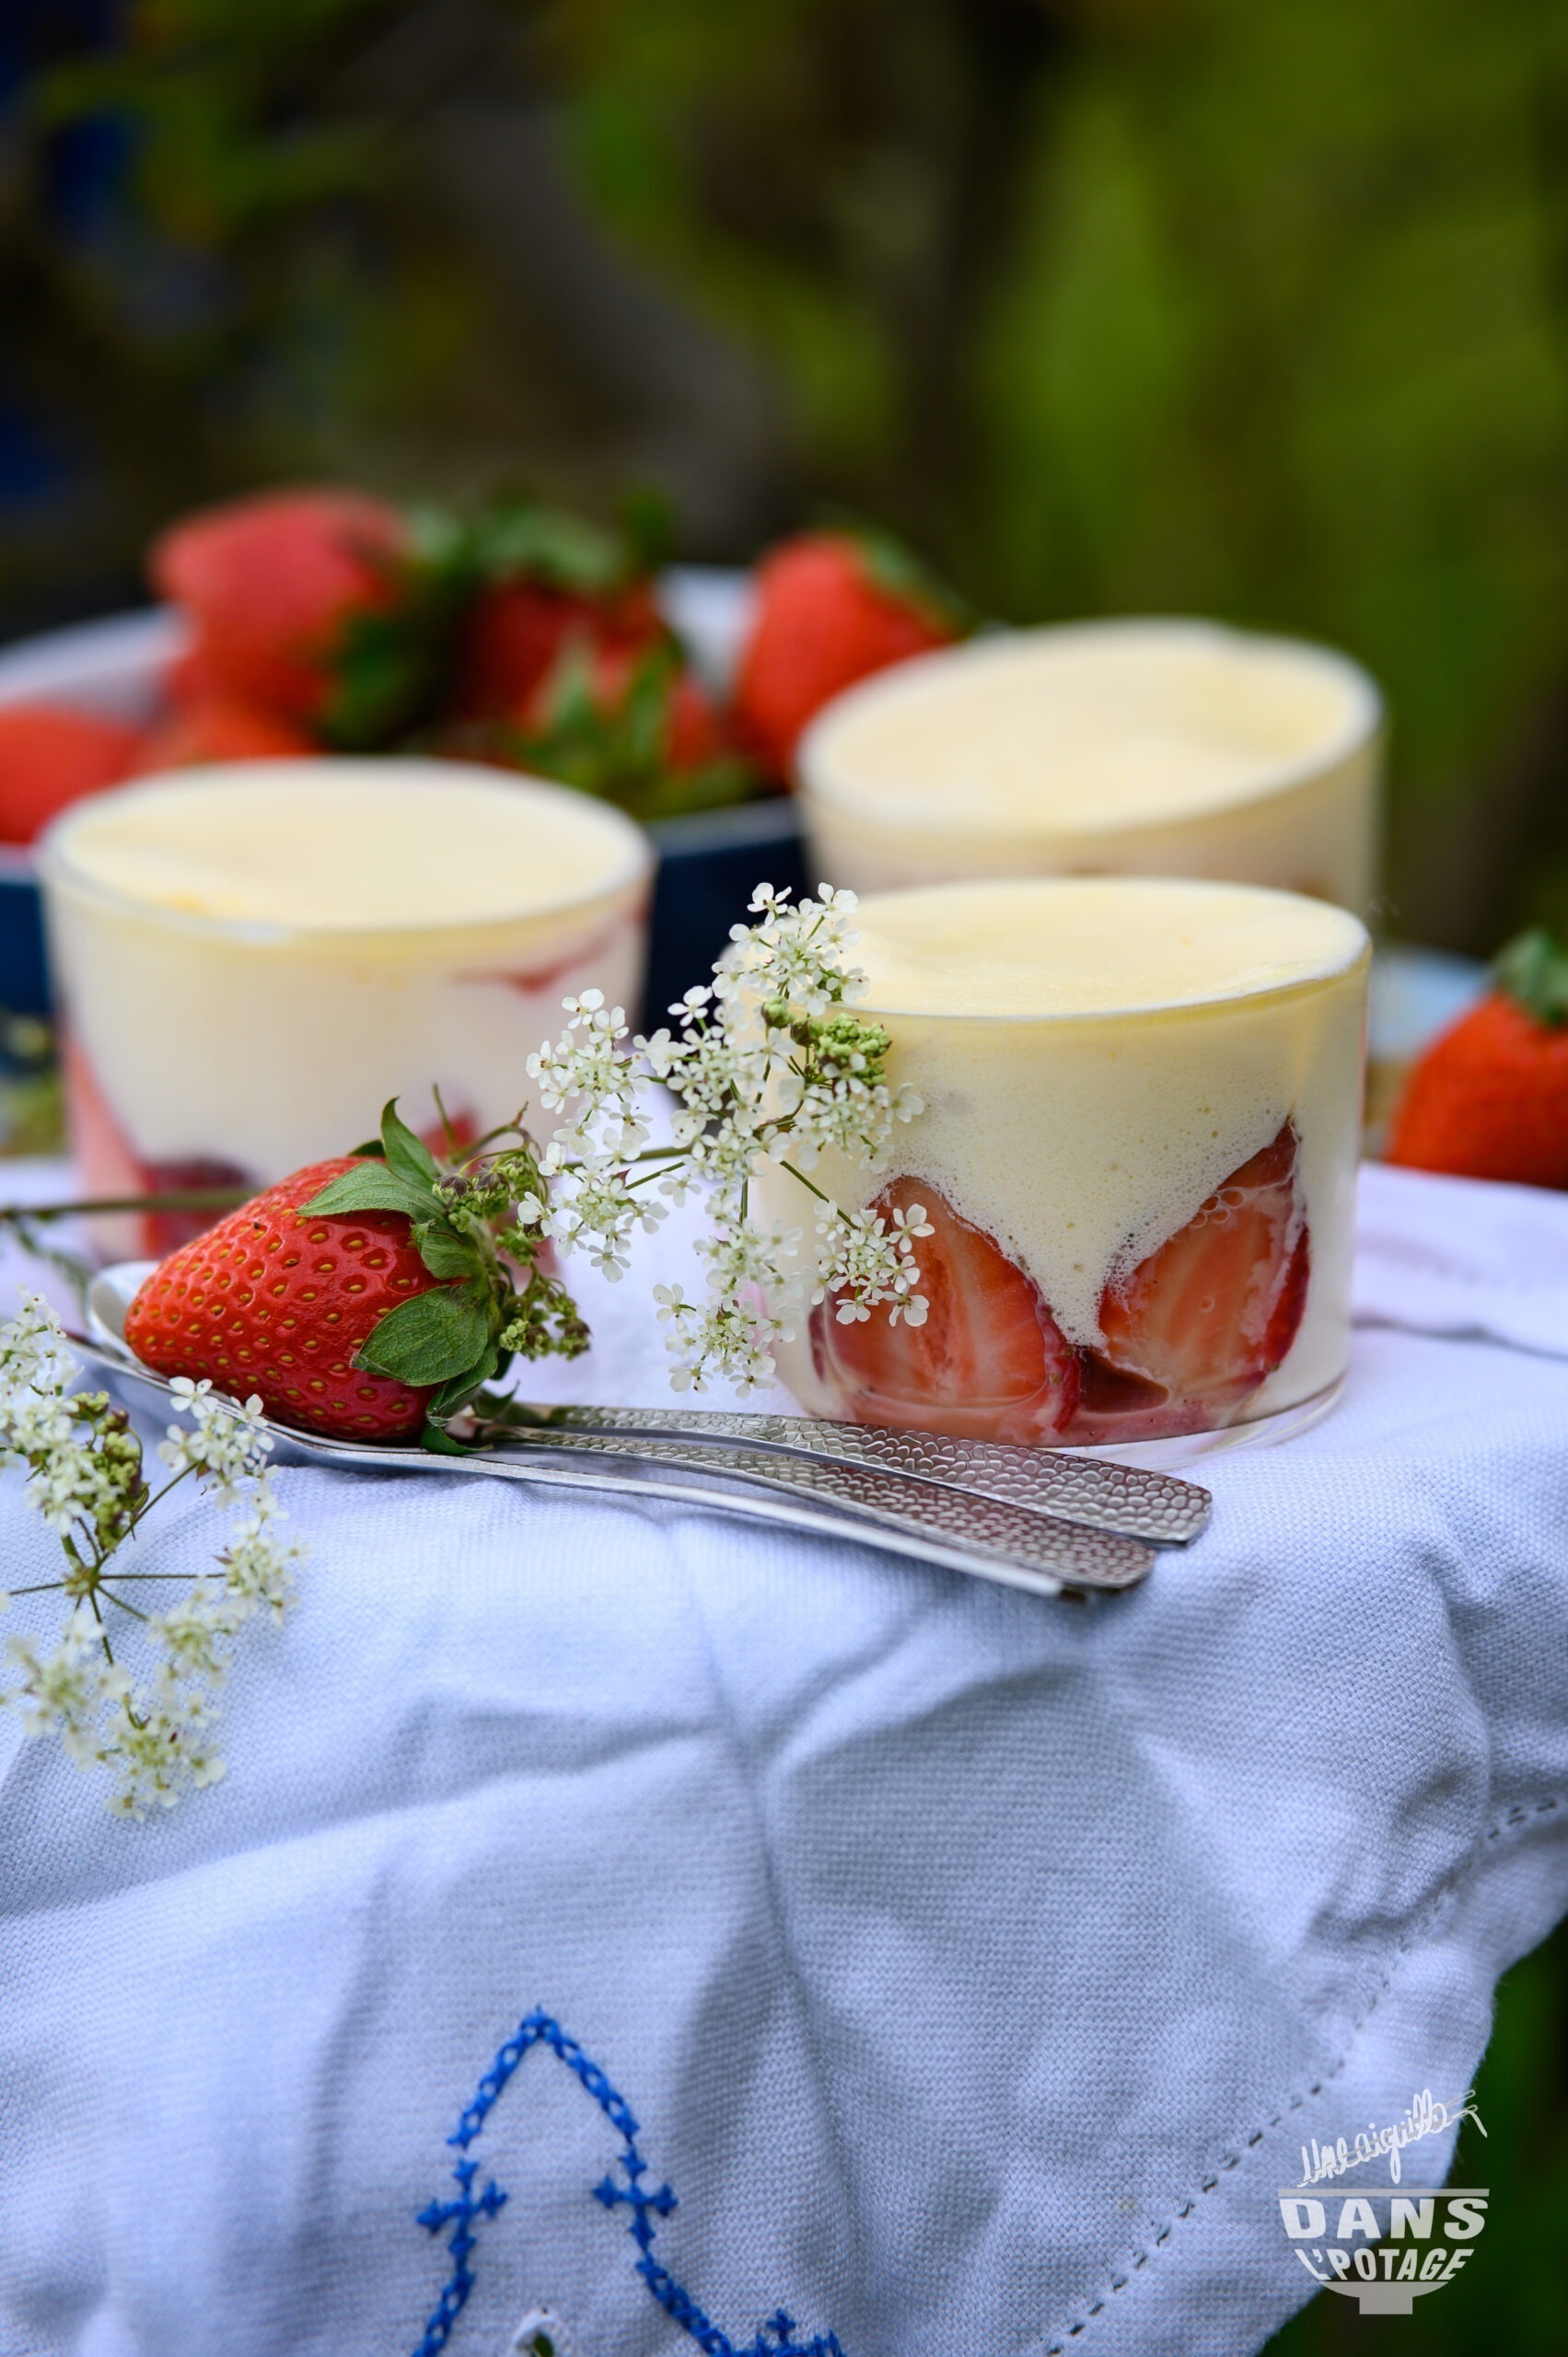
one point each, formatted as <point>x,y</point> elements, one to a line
<point>1103,1496</point>
<point>985,1537</point>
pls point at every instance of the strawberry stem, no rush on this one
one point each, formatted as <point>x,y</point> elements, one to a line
<point>1533,972</point>
<point>180,1199</point>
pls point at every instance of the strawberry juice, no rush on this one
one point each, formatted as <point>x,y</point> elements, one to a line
<point>1137,1152</point>
<point>1121,748</point>
<point>252,960</point>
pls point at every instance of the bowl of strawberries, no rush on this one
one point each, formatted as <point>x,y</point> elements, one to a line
<point>324,619</point>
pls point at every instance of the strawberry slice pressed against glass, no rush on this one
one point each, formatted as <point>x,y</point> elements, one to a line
<point>1193,1329</point>
<point>1189,1333</point>
<point>990,1361</point>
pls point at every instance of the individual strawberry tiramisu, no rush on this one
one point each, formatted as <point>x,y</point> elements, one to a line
<point>1136,1156</point>
<point>1117,748</point>
<point>249,956</point>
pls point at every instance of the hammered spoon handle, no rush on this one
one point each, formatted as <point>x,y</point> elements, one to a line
<point>1128,1499</point>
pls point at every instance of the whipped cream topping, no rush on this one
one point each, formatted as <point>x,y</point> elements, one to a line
<point>1093,945</point>
<point>348,844</point>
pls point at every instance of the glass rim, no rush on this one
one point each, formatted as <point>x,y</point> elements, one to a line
<point>57,871</point>
<point>1214,1002</point>
<point>1357,954</point>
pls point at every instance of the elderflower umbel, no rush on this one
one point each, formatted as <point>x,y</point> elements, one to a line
<point>152,1730</point>
<point>768,1064</point>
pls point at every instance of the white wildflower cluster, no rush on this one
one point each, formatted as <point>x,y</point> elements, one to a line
<point>768,1064</point>
<point>866,1264</point>
<point>152,1730</point>
<point>593,1207</point>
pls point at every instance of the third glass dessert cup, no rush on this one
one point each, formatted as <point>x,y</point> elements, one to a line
<point>1137,1156</point>
<point>1116,747</point>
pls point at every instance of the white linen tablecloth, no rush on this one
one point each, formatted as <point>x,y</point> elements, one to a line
<point>973,1968</point>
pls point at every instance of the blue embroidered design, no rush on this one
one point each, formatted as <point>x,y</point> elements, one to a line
<point>775,2339</point>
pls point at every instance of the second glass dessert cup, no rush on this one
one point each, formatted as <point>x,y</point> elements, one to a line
<point>251,960</point>
<point>1136,1158</point>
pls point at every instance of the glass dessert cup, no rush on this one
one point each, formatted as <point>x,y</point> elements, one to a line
<point>251,959</point>
<point>1137,1156</point>
<point>1116,747</point>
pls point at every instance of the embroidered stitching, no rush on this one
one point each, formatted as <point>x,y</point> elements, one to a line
<point>1520,1813</point>
<point>775,2339</point>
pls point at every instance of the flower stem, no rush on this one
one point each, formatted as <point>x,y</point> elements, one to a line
<point>180,1199</point>
<point>644,1179</point>
<point>806,1182</point>
<point>102,1632</point>
<point>159,1495</point>
<point>116,1576</point>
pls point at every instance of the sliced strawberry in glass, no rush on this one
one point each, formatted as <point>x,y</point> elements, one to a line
<point>1192,1330</point>
<point>110,1167</point>
<point>990,1363</point>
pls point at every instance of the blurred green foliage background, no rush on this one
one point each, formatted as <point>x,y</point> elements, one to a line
<point>1250,308</point>
<point>1109,305</point>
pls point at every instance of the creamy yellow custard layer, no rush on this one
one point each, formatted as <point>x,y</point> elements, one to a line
<point>1096,1057</point>
<point>1130,747</point>
<point>252,960</point>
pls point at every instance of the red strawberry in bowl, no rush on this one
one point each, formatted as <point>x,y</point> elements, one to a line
<point>690,733</point>
<point>990,1363</point>
<point>218,729</point>
<point>52,756</point>
<point>518,629</point>
<point>633,728</point>
<point>270,584</point>
<point>1193,1329</point>
<point>831,608</point>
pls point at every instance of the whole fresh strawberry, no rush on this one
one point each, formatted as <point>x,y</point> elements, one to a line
<point>517,631</point>
<point>188,678</point>
<point>636,728</point>
<point>479,610</point>
<point>1489,1098</point>
<point>831,607</point>
<point>52,756</point>
<point>219,728</point>
<point>367,1298</point>
<point>270,583</point>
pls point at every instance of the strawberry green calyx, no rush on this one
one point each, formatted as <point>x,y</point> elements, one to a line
<point>393,662</point>
<point>900,575</point>
<point>1533,972</point>
<point>619,746</point>
<point>476,1223</point>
